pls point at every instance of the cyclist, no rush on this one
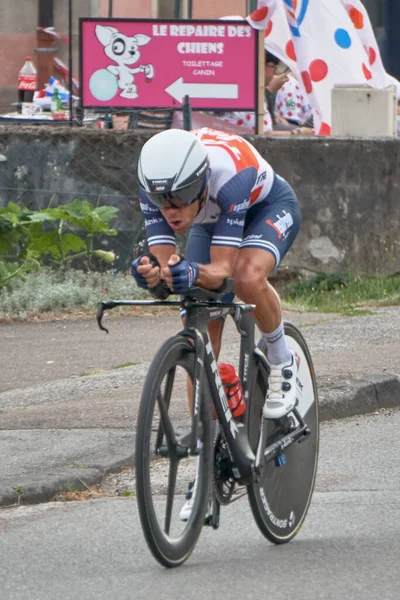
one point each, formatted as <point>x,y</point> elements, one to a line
<point>241,218</point>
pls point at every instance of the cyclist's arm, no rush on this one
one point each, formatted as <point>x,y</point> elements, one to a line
<point>158,232</point>
<point>221,266</point>
<point>160,237</point>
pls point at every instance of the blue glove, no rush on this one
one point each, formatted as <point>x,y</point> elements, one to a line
<point>184,275</point>
<point>140,280</point>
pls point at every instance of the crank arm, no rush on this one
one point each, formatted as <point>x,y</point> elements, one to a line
<point>298,435</point>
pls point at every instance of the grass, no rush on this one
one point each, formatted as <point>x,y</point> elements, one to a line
<point>343,293</point>
<point>51,294</point>
<point>66,292</point>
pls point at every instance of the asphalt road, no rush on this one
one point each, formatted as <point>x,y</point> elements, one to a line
<point>348,547</point>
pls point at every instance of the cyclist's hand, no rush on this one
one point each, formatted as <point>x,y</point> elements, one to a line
<point>146,274</point>
<point>180,274</point>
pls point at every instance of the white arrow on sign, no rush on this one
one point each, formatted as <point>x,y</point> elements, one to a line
<point>226,91</point>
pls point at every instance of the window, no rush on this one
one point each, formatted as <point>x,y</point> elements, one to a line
<point>251,5</point>
<point>172,9</point>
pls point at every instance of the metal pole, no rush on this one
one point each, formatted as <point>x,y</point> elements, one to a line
<point>187,114</point>
<point>260,83</point>
<point>70,100</point>
<point>393,41</point>
<point>110,9</point>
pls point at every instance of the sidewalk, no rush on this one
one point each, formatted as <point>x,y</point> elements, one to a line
<point>69,393</point>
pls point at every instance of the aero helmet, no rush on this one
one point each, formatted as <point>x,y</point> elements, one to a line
<point>173,166</point>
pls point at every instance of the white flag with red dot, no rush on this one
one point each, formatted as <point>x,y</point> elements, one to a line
<point>325,43</point>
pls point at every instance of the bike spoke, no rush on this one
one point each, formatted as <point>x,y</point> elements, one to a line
<point>165,425</point>
<point>173,470</point>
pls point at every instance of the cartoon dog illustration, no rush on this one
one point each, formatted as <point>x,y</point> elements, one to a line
<point>125,52</point>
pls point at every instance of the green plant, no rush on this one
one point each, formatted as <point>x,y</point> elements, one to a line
<point>16,258</point>
<point>20,491</point>
<point>71,487</point>
<point>57,235</point>
<point>349,294</point>
<point>72,230</point>
<point>127,493</point>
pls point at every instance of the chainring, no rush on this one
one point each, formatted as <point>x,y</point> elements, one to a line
<point>223,480</point>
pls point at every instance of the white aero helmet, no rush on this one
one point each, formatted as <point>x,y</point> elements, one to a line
<point>173,166</point>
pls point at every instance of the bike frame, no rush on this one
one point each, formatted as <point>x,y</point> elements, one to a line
<point>247,465</point>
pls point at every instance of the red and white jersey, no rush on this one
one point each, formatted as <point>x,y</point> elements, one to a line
<point>291,103</point>
<point>229,154</point>
<point>239,179</point>
<point>248,119</point>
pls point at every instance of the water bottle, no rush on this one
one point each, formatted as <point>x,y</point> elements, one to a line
<point>26,81</point>
<point>56,103</point>
<point>233,389</point>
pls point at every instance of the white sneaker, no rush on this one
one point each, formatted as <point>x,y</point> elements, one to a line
<point>281,394</point>
<point>186,509</point>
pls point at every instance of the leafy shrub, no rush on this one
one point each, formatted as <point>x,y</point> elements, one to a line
<point>57,235</point>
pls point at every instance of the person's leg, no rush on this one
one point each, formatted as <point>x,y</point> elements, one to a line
<point>198,249</point>
<point>269,232</point>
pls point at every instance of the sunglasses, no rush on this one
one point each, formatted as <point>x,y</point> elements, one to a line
<point>181,198</point>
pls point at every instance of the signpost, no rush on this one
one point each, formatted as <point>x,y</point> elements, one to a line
<point>147,63</point>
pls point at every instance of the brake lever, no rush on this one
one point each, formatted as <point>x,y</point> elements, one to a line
<point>99,314</point>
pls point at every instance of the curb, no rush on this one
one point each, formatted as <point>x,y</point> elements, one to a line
<point>363,395</point>
<point>44,485</point>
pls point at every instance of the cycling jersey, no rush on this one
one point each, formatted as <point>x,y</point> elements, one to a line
<point>240,178</point>
<point>291,102</point>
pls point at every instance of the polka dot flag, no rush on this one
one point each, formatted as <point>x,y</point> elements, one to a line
<point>324,43</point>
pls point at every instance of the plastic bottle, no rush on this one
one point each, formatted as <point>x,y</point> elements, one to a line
<point>233,389</point>
<point>55,101</point>
<point>26,81</point>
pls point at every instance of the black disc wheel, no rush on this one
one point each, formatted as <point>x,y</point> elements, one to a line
<point>281,498</point>
<point>164,464</point>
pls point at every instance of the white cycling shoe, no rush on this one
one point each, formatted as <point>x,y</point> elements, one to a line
<point>186,509</point>
<point>281,394</point>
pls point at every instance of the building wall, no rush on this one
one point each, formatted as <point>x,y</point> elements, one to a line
<point>19,19</point>
<point>348,189</point>
<point>17,40</point>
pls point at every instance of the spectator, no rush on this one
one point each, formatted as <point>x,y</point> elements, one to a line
<point>291,105</point>
<point>274,79</point>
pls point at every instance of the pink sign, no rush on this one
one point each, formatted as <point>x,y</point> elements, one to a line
<point>132,63</point>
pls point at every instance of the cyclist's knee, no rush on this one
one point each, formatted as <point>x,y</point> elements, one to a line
<point>249,280</point>
<point>251,273</point>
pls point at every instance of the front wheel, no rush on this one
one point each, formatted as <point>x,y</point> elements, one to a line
<point>163,465</point>
<point>280,499</point>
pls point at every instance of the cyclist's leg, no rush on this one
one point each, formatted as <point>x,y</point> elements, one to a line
<point>198,249</point>
<point>270,230</point>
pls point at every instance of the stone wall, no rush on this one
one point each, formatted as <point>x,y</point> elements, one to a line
<point>348,189</point>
